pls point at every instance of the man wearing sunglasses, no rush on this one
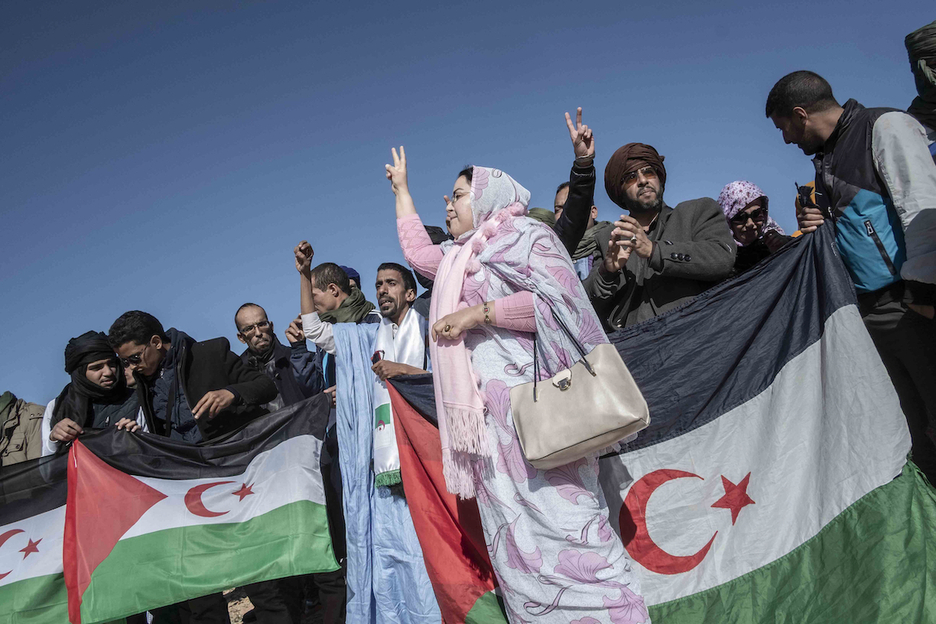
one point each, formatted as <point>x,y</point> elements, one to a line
<point>190,391</point>
<point>655,257</point>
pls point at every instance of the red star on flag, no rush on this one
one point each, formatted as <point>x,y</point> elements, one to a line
<point>31,547</point>
<point>244,491</point>
<point>735,497</point>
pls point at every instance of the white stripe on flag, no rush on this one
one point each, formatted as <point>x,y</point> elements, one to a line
<point>287,473</point>
<point>45,532</point>
<point>826,432</point>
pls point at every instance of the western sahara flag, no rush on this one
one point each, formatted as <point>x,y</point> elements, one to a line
<point>32,525</point>
<point>772,484</point>
<point>151,522</point>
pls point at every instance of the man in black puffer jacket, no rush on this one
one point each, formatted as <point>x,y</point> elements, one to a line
<point>190,390</point>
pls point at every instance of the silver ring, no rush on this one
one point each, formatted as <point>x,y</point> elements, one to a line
<point>634,238</point>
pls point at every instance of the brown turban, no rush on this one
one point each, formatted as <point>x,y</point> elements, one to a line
<point>631,157</point>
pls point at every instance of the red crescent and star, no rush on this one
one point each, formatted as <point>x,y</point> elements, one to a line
<point>194,503</point>
<point>3,539</point>
<point>31,547</point>
<point>633,520</point>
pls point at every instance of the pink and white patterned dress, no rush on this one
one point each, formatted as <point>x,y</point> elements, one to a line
<point>547,531</point>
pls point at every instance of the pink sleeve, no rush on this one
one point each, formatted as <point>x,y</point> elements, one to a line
<point>417,247</point>
<point>516,312</point>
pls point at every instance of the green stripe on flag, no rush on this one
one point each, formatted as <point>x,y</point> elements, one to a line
<point>39,600</point>
<point>487,609</point>
<point>169,566</point>
<point>872,564</point>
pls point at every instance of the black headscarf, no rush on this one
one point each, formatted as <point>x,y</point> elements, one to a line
<point>626,159</point>
<point>921,47</point>
<point>78,398</point>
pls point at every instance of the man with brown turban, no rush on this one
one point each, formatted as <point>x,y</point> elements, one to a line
<point>656,257</point>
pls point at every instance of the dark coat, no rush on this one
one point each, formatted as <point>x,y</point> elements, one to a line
<point>296,372</point>
<point>211,365</point>
<point>571,225</point>
<point>693,251</point>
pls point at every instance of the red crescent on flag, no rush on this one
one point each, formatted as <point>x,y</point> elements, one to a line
<point>633,521</point>
<point>194,502</point>
<point>3,539</point>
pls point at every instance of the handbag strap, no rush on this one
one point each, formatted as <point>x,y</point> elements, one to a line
<point>571,338</point>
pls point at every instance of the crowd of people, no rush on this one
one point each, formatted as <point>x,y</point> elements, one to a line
<point>496,283</point>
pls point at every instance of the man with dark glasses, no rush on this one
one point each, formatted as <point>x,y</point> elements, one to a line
<point>190,391</point>
<point>655,257</point>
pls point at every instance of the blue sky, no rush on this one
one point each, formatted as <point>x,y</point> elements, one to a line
<point>168,156</point>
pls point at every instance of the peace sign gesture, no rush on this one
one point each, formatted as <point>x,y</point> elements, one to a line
<point>582,140</point>
<point>396,172</point>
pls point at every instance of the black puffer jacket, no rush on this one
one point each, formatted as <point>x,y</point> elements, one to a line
<point>201,367</point>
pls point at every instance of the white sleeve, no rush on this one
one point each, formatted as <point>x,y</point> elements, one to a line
<point>319,332</point>
<point>49,447</point>
<point>141,420</point>
<point>900,151</point>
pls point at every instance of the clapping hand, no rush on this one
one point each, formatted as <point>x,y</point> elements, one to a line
<point>304,254</point>
<point>583,142</point>
<point>619,250</point>
<point>396,172</point>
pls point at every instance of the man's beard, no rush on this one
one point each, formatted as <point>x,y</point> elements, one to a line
<point>262,352</point>
<point>391,312</point>
<point>655,206</point>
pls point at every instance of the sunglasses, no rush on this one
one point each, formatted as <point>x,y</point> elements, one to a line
<point>757,216</point>
<point>135,359</point>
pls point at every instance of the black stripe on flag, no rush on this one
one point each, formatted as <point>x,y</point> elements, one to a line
<point>725,347</point>
<point>32,488</point>
<point>148,455</point>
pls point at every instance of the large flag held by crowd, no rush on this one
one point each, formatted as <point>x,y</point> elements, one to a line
<point>772,485</point>
<point>126,523</point>
<point>773,482</point>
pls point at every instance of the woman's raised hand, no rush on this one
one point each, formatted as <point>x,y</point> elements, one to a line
<point>396,172</point>
<point>583,142</point>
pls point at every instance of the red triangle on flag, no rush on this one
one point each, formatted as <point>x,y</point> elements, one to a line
<point>102,504</point>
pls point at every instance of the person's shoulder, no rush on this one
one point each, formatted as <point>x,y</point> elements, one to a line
<point>33,410</point>
<point>212,347</point>
<point>371,317</point>
<point>900,123</point>
<point>701,205</point>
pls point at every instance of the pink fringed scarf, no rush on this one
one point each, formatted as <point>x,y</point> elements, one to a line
<point>495,198</point>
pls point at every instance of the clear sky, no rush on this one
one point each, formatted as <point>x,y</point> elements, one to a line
<point>167,156</point>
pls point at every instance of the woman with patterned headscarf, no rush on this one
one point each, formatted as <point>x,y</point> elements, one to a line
<point>96,397</point>
<point>756,234</point>
<point>497,285</point>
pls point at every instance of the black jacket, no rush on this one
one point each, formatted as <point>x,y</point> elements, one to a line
<point>211,365</point>
<point>571,225</point>
<point>296,372</point>
<point>693,250</point>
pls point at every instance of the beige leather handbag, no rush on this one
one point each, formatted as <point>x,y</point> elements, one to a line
<point>580,411</point>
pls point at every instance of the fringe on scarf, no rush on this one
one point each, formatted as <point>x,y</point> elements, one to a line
<point>466,430</point>
<point>457,470</point>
